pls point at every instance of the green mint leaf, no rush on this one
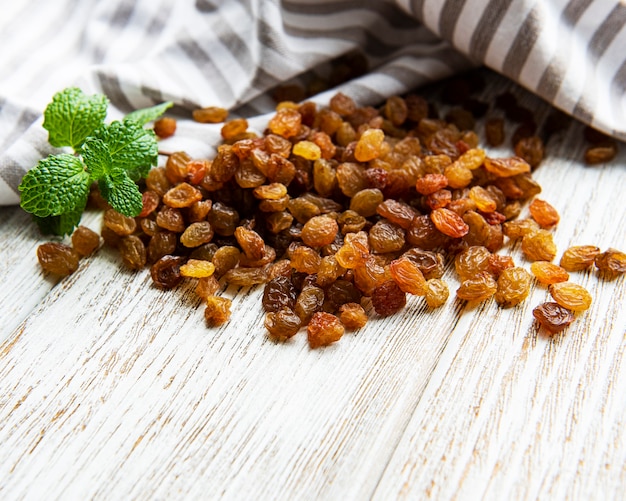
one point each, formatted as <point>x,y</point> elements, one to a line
<point>97,158</point>
<point>121,192</point>
<point>61,225</point>
<point>131,147</point>
<point>56,185</point>
<point>145,115</point>
<point>72,116</point>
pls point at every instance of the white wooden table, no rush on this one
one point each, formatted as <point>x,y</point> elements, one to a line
<point>112,389</point>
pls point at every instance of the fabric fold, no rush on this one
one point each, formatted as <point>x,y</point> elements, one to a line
<point>235,53</point>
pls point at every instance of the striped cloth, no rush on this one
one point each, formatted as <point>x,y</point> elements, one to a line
<point>232,54</point>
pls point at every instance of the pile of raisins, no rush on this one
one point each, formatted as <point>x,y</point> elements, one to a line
<point>340,207</point>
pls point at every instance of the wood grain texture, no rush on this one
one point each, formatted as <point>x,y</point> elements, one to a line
<point>112,389</point>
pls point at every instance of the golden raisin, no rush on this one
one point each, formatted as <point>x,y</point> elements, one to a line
<point>437,292</point>
<point>217,310</point>
<point>570,295</point>
<point>57,258</point>
<point>85,241</point>
<point>196,268</point>
<point>513,287</point>
<point>324,329</point>
<point>544,213</point>
<point>210,114</point>
<point>579,257</point>
<point>352,316</point>
<point>539,246</point>
<point>548,273</point>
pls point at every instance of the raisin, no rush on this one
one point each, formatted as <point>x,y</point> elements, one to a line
<point>506,167</point>
<point>437,293</point>
<point>210,115</point>
<point>217,310</point>
<point>282,324</point>
<point>366,202</point>
<point>199,211</point>
<point>497,263</point>
<point>579,257</point>
<point>223,219</point>
<point>197,268</point>
<point>225,258</point>
<point>388,298</point>
<point>513,287</point>
<point>57,258</point>
<point>544,213</point>
<point>308,302</point>
<point>175,168</point>
<point>478,288</point>
<point>197,234</point>
<point>612,262</point>
<point>430,263</point>
<point>354,252</point>
<point>530,149</point>
<point>279,293</point>
<point>351,178</point>
<point>352,316</point>
<point>424,234</point>
<point>369,145</point>
<point>157,181</point>
<point>341,292</point>
<point>170,219</point>
<point>342,105</point>
<point>247,277</point>
<point>570,295</point>
<point>285,123</point>
<point>120,224</point>
<point>449,223</point>
<point>150,201</point>
<point>431,183</point>
<point>369,275</point>
<point>250,242</point>
<point>165,127</point>
<point>458,175</point>
<point>396,212</point>
<point>407,274</point>
<point>548,273</point>
<point>308,150</point>
<point>386,237</point>
<point>161,244</point>
<point>324,329</point>
<point>601,153</point>
<point>207,286</point>
<point>224,165</point>
<point>472,261</point>
<point>553,317</point>
<point>133,252</point>
<point>484,201</point>
<point>305,259</point>
<point>539,246</point>
<point>319,231</point>
<point>519,228</point>
<point>196,171</point>
<point>165,272</point>
<point>85,241</point>
<point>234,128</point>
<point>494,131</point>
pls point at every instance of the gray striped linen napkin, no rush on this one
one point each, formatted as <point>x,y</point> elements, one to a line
<point>232,54</point>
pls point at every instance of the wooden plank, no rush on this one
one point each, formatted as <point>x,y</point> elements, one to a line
<point>513,414</point>
<point>24,283</point>
<point>110,388</point>
<point>127,376</point>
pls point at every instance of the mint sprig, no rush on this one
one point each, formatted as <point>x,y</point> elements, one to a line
<point>114,155</point>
